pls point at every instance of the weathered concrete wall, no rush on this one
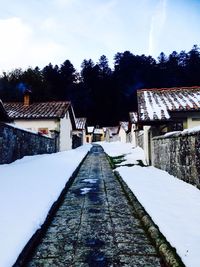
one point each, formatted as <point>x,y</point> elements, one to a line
<point>178,154</point>
<point>140,139</point>
<point>16,143</point>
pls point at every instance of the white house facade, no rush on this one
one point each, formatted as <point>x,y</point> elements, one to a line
<point>49,118</point>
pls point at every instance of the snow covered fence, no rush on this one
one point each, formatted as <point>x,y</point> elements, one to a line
<point>178,153</point>
<point>16,143</point>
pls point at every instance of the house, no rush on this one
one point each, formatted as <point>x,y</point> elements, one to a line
<point>165,110</point>
<point>133,117</point>
<point>89,134</point>
<point>111,134</point>
<point>79,134</point>
<point>124,132</point>
<point>49,118</point>
<point>98,134</point>
<point>118,133</point>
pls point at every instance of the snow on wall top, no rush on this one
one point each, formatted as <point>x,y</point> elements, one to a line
<point>40,110</point>
<point>155,104</point>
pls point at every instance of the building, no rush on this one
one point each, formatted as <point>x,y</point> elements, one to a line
<point>49,118</point>
<point>98,134</point>
<point>166,110</point>
<point>79,135</point>
<point>111,134</point>
<point>89,134</point>
<point>118,133</point>
<point>133,117</point>
<point>124,132</point>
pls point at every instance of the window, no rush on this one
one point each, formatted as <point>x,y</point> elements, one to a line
<point>43,131</point>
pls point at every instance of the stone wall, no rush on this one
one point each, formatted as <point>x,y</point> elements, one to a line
<point>179,155</point>
<point>16,143</point>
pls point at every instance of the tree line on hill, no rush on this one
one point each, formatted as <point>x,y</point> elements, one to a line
<point>103,95</point>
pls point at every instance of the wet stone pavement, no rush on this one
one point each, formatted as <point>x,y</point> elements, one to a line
<point>95,226</point>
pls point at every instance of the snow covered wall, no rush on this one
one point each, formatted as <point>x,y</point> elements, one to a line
<point>178,153</point>
<point>16,143</point>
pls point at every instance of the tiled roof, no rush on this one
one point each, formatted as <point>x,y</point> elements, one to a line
<point>133,117</point>
<point>37,110</point>
<point>80,123</point>
<point>156,104</point>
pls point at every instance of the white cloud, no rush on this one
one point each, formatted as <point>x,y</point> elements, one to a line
<point>21,47</point>
<point>156,27</point>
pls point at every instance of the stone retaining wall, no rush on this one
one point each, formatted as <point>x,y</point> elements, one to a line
<point>179,155</point>
<point>16,143</point>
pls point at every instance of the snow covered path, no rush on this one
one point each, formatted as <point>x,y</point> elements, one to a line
<point>173,204</point>
<point>89,230</point>
<point>28,188</point>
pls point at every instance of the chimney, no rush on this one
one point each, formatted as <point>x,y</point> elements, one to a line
<point>27,97</point>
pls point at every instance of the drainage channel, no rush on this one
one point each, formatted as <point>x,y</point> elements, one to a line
<point>95,225</point>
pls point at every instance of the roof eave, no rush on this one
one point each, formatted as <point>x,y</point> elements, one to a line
<point>153,122</point>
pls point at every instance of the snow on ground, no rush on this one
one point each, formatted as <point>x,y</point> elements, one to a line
<point>131,154</point>
<point>28,188</point>
<point>173,205</point>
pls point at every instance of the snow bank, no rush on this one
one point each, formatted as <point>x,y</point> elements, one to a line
<point>131,154</point>
<point>28,188</point>
<point>114,149</point>
<point>173,205</point>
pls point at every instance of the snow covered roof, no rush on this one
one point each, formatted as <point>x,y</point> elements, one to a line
<point>80,123</point>
<point>98,131</point>
<point>155,104</point>
<point>90,129</point>
<point>133,117</point>
<point>36,110</point>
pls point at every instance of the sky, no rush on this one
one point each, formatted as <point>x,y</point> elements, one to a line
<point>37,32</point>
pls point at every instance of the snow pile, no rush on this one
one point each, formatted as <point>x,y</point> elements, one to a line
<point>173,204</point>
<point>28,188</point>
<point>131,154</point>
<point>137,154</point>
<point>85,190</point>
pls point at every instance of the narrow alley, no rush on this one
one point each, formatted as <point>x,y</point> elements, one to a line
<point>95,226</point>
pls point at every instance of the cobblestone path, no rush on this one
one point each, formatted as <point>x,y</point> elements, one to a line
<point>95,226</point>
